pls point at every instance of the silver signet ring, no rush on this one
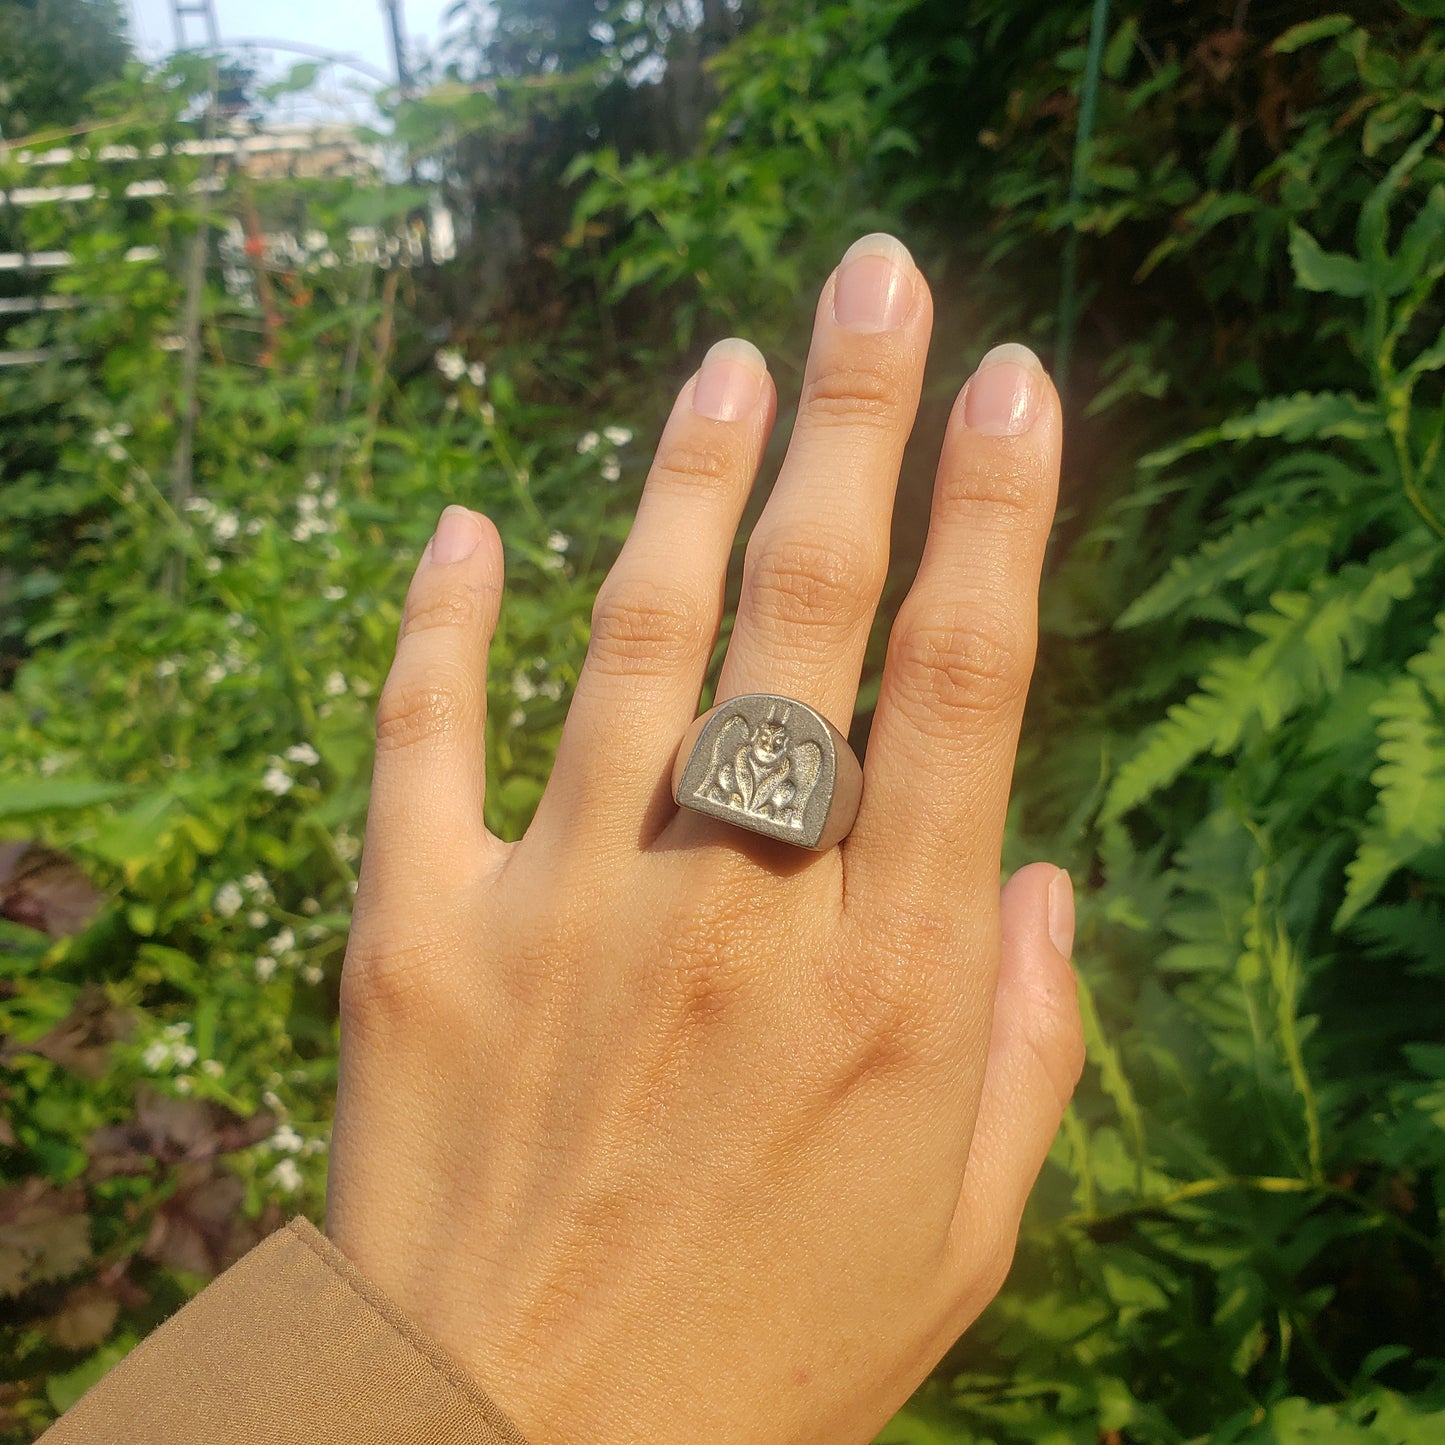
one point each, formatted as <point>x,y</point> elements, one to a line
<point>773,765</point>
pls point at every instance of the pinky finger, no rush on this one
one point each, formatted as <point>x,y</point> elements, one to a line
<point>430,775</point>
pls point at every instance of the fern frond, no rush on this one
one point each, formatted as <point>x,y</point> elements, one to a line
<point>1308,637</point>
<point>1254,546</point>
<point>1409,812</point>
<point>1305,416</point>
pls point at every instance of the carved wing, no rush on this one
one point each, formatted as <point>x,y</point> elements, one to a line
<point>729,739</point>
<point>807,761</point>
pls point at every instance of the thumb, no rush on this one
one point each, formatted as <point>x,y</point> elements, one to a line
<point>1036,1055</point>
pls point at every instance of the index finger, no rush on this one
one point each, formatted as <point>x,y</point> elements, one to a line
<point>941,750</point>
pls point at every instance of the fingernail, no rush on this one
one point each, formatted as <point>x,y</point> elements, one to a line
<point>457,535</point>
<point>1061,912</point>
<point>874,289</point>
<point>730,381</point>
<point>1002,396</point>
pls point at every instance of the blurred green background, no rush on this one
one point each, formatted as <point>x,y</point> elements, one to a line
<point>238,386</point>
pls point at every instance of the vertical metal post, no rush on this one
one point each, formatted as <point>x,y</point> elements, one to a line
<point>183,460</point>
<point>397,27</point>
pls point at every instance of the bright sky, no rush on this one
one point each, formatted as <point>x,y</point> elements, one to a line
<point>352,27</point>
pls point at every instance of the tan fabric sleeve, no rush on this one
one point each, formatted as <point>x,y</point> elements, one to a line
<point>291,1346</point>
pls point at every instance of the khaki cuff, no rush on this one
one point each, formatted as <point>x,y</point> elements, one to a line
<point>290,1346</point>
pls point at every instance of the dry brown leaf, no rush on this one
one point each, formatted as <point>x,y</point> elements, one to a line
<point>44,1234</point>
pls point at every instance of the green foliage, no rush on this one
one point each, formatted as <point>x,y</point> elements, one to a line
<point>53,53</point>
<point>188,725</point>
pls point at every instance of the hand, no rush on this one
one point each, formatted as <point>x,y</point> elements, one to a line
<point>668,1132</point>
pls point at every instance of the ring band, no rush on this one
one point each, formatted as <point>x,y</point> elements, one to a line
<point>773,765</point>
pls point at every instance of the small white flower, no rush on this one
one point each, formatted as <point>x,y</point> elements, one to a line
<point>184,1055</point>
<point>201,505</point>
<point>271,1100</point>
<point>315,1146</point>
<point>310,907</point>
<point>552,690</point>
<point>329,498</point>
<point>228,900</point>
<point>102,438</point>
<point>347,845</point>
<point>176,1031</point>
<point>611,469</point>
<point>265,967</point>
<point>334,685</point>
<point>311,974</point>
<point>254,527</point>
<point>523,688</point>
<point>307,505</point>
<point>619,436</point>
<point>214,1068</point>
<point>304,754</point>
<point>156,1056</point>
<point>51,764</point>
<point>171,343</point>
<point>488,413</point>
<point>286,1140</point>
<point>450,363</point>
<point>225,527</point>
<point>286,1176</point>
<point>558,541</point>
<point>477,374</point>
<point>213,565</point>
<point>215,672</point>
<point>255,883</point>
<point>184,1084</point>
<point>334,593</point>
<point>587,442</point>
<point>278,781</point>
<point>517,718</point>
<point>122,429</point>
<point>284,942</point>
<point>313,482</point>
<point>257,919</point>
<point>166,667</point>
<point>116,452</point>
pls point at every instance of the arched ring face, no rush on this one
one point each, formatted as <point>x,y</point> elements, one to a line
<point>772,765</point>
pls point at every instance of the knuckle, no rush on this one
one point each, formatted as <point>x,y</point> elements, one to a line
<point>643,627</point>
<point>414,709</point>
<point>388,982</point>
<point>893,1004</point>
<point>701,978</point>
<point>460,608</point>
<point>972,660</point>
<point>1007,488</point>
<point>690,467</point>
<point>705,969</point>
<point>852,393</point>
<point>833,584</point>
<point>991,1259</point>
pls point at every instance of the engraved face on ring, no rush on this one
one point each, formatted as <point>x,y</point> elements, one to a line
<point>759,771</point>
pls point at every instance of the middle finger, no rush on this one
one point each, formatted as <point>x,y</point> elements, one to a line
<point>818,556</point>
